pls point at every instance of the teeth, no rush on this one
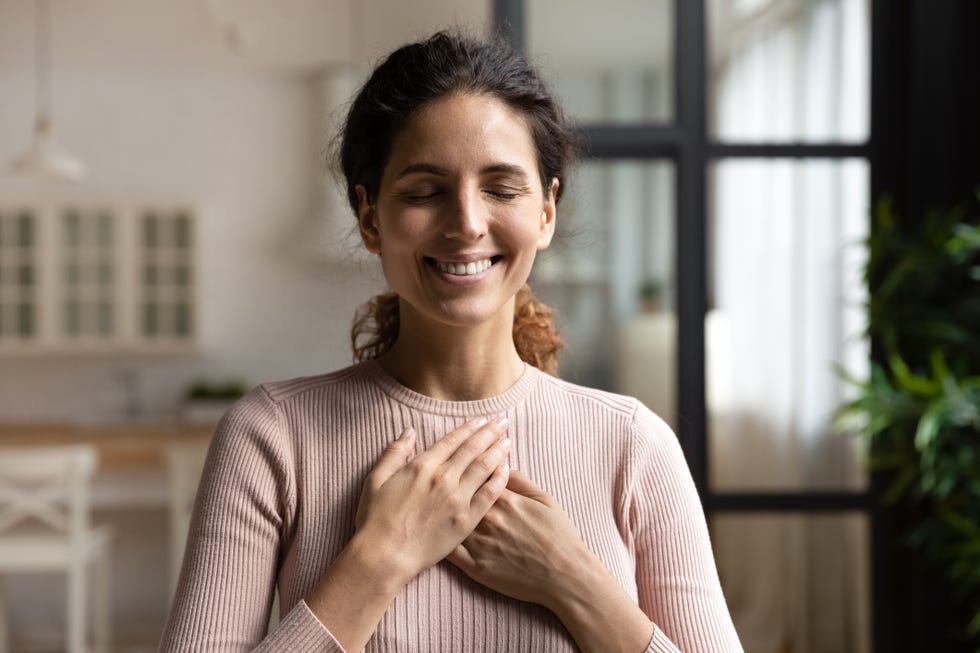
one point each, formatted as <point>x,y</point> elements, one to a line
<point>464,269</point>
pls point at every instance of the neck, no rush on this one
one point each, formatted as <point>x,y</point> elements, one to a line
<point>454,363</point>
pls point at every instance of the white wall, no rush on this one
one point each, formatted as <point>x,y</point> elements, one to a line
<point>245,145</point>
<point>246,150</point>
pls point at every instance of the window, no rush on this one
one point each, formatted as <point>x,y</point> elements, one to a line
<point>756,113</point>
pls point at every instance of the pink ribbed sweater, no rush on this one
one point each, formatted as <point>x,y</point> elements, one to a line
<point>277,501</point>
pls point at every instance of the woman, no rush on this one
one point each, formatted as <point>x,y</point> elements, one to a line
<point>384,500</point>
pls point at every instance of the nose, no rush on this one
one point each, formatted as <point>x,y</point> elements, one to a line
<point>466,219</point>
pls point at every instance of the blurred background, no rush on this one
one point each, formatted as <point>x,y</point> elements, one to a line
<point>170,235</point>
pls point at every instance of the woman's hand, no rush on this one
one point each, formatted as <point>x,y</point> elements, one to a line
<point>527,548</point>
<point>417,510</point>
<point>412,513</point>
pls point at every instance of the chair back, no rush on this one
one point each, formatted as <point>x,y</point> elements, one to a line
<point>46,487</point>
<point>185,464</point>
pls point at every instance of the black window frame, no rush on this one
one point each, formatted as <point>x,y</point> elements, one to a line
<point>686,142</point>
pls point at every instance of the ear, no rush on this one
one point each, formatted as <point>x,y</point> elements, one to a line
<point>367,221</point>
<point>548,215</point>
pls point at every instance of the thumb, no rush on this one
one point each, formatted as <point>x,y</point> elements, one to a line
<point>396,454</point>
<point>519,483</point>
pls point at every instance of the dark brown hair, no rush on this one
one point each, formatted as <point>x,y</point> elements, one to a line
<point>411,77</point>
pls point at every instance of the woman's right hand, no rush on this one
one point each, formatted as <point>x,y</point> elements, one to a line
<point>419,509</point>
<point>412,513</point>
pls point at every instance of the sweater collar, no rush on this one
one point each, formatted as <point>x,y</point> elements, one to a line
<point>488,406</point>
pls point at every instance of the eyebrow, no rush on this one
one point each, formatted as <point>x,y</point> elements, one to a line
<point>428,168</point>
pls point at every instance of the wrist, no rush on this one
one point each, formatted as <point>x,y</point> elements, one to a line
<point>598,612</point>
<point>384,568</point>
<point>576,584</point>
<point>354,593</point>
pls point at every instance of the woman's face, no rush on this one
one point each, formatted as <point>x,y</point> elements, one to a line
<point>460,212</point>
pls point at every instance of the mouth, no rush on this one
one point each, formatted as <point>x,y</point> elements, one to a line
<point>463,269</point>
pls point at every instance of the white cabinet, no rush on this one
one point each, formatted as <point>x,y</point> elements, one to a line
<point>96,277</point>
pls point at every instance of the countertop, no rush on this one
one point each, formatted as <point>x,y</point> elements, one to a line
<point>120,445</point>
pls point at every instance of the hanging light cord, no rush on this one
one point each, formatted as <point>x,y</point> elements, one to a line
<point>41,97</point>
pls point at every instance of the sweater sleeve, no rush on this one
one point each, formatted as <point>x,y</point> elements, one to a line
<point>677,582</point>
<point>227,580</point>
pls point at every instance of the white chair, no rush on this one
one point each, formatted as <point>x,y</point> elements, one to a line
<point>45,525</point>
<point>185,463</point>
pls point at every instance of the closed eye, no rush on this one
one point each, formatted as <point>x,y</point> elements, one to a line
<point>502,195</point>
<point>421,197</point>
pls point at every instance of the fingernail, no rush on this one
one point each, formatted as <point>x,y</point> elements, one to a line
<point>502,422</point>
<point>406,433</point>
<point>480,421</point>
<point>505,443</point>
<point>506,468</point>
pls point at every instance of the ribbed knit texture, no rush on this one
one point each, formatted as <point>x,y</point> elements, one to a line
<point>279,493</point>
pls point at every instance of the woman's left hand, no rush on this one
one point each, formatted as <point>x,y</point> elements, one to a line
<point>525,547</point>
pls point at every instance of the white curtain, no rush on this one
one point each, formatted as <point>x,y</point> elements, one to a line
<point>785,308</point>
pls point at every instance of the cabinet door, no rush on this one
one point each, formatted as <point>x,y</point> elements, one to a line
<point>19,262</point>
<point>88,273</point>
<point>165,290</point>
<point>96,277</point>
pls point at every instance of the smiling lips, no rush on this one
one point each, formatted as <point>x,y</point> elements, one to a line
<point>464,269</point>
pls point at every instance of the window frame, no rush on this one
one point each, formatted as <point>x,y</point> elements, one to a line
<point>687,143</point>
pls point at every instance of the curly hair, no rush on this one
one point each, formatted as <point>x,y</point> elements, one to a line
<point>375,329</point>
<point>408,79</point>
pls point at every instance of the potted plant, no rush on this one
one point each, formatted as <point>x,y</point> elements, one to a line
<point>206,401</point>
<point>919,413</point>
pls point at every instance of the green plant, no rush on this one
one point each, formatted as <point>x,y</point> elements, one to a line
<point>919,413</point>
<point>204,390</point>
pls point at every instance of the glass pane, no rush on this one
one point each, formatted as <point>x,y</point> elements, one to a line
<point>72,274</point>
<point>183,238</point>
<point>26,322</point>
<point>183,327</point>
<point>609,273</point>
<point>105,230</point>
<point>610,62</point>
<point>26,276</point>
<point>105,318</point>
<point>786,307</point>
<point>25,230</point>
<point>72,229</point>
<point>789,70</point>
<point>149,231</point>
<point>73,321</point>
<point>795,583</point>
<point>150,319</point>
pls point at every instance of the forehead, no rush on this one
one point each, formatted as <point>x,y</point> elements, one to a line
<point>464,131</point>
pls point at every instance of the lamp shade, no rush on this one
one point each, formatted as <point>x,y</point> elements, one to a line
<point>44,160</point>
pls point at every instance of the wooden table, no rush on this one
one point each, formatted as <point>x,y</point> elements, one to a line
<point>120,446</point>
<point>132,461</point>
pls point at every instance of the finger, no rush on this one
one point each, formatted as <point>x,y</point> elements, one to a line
<point>395,455</point>
<point>461,557</point>
<point>519,483</point>
<point>483,467</point>
<point>448,444</point>
<point>488,493</point>
<point>477,445</point>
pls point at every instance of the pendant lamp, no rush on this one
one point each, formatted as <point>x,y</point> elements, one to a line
<point>44,160</point>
